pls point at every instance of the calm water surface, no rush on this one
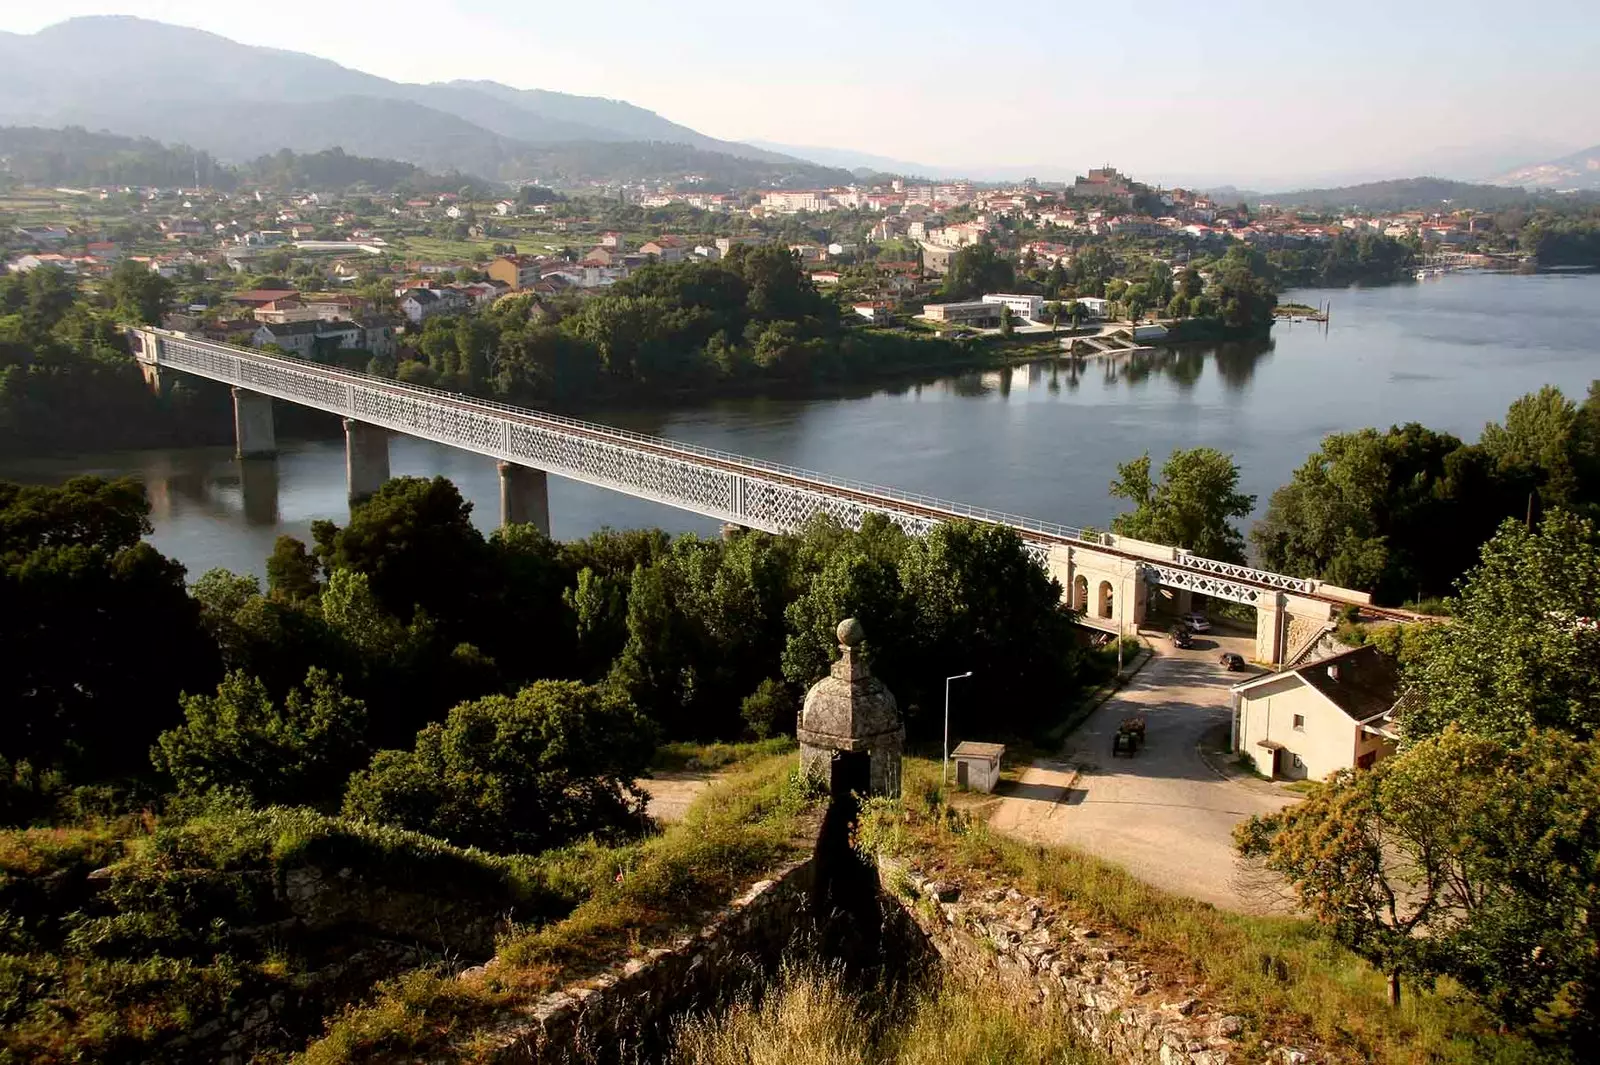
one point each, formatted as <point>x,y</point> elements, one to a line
<point>1041,440</point>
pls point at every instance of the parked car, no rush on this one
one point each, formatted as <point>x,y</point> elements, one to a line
<point>1181,637</point>
<point>1197,622</point>
<point>1231,662</point>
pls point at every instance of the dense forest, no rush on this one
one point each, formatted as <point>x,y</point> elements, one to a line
<point>1404,194</point>
<point>77,157</point>
<point>1346,259</point>
<point>68,380</point>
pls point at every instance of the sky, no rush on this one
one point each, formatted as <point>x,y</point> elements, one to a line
<point>1256,93</point>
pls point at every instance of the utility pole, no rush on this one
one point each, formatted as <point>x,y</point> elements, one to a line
<point>944,767</point>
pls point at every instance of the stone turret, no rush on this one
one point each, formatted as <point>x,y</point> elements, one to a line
<point>850,732</point>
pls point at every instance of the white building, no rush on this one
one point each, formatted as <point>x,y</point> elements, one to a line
<point>793,201</point>
<point>977,765</point>
<point>1310,720</point>
<point>1029,307</point>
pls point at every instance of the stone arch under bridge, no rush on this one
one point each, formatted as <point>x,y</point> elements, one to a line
<point>1115,592</point>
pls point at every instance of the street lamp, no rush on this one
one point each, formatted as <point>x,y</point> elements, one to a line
<point>944,768</point>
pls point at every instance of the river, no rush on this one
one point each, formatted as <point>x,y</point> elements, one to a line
<point>1451,352</point>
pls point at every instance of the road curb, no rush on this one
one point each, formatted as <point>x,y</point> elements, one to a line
<point>1110,688</point>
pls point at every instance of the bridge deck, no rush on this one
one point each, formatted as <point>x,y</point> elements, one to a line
<point>718,484</point>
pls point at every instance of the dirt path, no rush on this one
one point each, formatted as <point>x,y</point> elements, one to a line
<point>672,793</point>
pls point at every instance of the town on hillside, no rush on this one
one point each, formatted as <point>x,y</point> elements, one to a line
<point>362,270</point>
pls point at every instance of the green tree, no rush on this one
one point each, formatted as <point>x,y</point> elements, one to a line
<point>1190,507</point>
<point>1551,442</point>
<point>705,622</point>
<point>1401,513</point>
<point>769,710</point>
<point>1054,311</point>
<point>846,573</point>
<point>1523,650</point>
<point>298,751</point>
<point>552,764</point>
<point>1244,289</point>
<point>1007,327</point>
<point>137,293</point>
<point>81,597</point>
<point>974,599</point>
<point>415,542</point>
<point>975,270</point>
<point>292,570</point>
<point>1464,856</point>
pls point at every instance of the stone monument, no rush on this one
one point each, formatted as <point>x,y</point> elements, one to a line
<point>850,732</point>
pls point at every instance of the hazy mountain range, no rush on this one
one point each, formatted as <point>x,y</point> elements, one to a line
<point>137,77</point>
<point>1576,172</point>
<point>141,78</point>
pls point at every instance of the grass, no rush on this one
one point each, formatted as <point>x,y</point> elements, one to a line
<point>695,757</point>
<point>31,852</point>
<point>740,828</point>
<point>1284,975</point>
<point>813,1016</point>
<point>431,249</point>
<point>118,974</point>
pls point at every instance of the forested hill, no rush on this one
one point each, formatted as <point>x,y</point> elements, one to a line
<point>1402,194</point>
<point>49,157</point>
<point>238,102</point>
<point>75,156</point>
<point>32,155</point>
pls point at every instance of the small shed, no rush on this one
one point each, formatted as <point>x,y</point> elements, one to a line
<point>978,765</point>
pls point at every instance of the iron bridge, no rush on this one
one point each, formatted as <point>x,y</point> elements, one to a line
<point>717,484</point>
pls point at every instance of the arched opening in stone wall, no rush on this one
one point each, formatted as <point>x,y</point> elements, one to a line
<point>1080,593</point>
<point>1105,599</point>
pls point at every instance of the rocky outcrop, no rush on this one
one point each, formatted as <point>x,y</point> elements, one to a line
<point>1122,1008</point>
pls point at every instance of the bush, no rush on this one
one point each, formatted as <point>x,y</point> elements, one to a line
<point>548,766</point>
<point>301,751</point>
<point>769,710</point>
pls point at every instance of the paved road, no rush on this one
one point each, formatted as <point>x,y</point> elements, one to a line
<point>1165,815</point>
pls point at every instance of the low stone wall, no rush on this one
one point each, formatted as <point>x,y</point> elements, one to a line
<point>321,899</point>
<point>625,1013</point>
<point>1118,1006</point>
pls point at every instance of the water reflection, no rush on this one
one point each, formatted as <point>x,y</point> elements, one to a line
<point>258,485</point>
<point>1237,360</point>
<point>1236,363</point>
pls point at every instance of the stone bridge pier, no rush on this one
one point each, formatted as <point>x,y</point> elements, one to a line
<point>1286,624</point>
<point>253,434</point>
<point>366,459</point>
<point>524,496</point>
<point>1109,590</point>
